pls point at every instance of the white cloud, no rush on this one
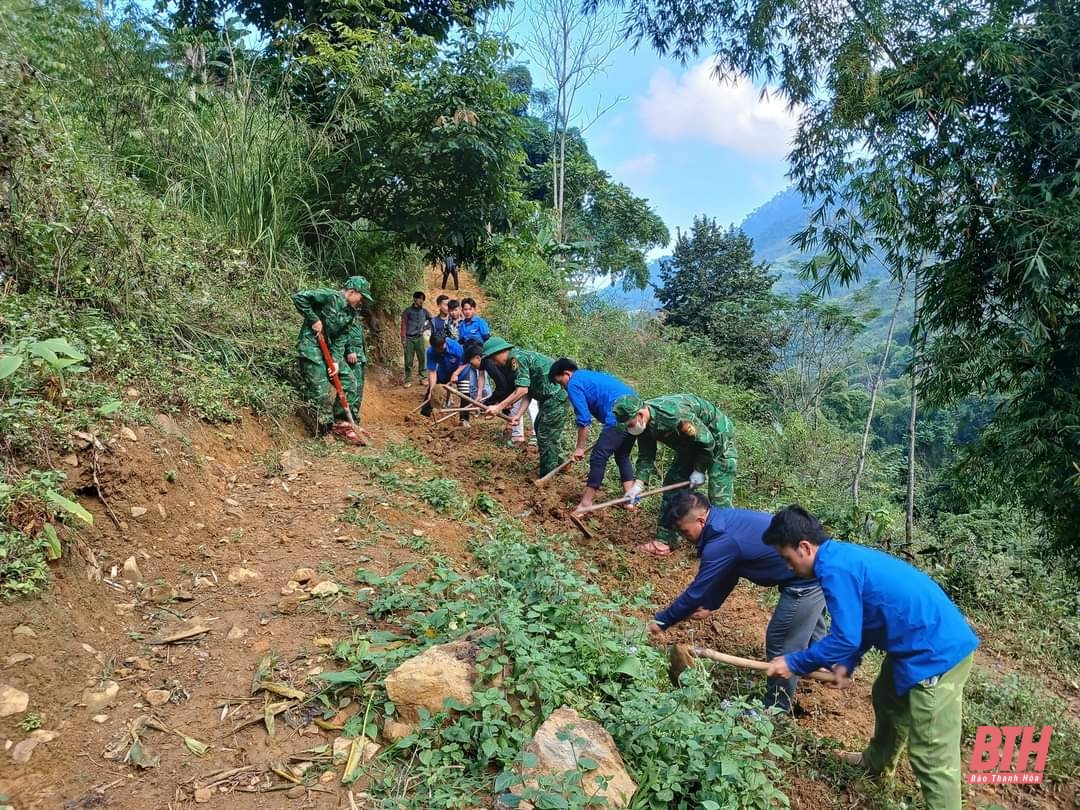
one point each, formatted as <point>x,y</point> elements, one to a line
<point>636,166</point>
<point>698,107</point>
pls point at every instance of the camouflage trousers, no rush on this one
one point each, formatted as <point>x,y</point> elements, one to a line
<point>928,719</point>
<point>322,401</point>
<point>721,478</point>
<point>549,427</point>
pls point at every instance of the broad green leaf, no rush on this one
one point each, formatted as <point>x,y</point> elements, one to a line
<point>345,676</point>
<point>9,364</point>
<point>110,406</point>
<point>69,506</point>
<point>61,346</point>
<point>53,541</point>
<point>39,349</point>
<point>631,666</point>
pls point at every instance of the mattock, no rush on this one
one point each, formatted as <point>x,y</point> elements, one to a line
<point>596,507</point>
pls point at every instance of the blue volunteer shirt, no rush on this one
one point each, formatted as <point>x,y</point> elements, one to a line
<point>446,363</point>
<point>876,600</point>
<point>475,328</point>
<point>730,547</point>
<point>592,393</point>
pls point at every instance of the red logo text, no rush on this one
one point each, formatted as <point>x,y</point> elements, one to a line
<point>992,760</point>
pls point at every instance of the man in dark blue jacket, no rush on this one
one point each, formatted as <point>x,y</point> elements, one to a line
<point>592,394</point>
<point>730,545</point>
<point>876,600</point>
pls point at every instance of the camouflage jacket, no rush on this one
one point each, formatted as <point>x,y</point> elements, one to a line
<point>341,326</point>
<point>688,425</point>
<point>530,370</point>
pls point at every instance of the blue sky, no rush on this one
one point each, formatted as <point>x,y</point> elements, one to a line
<point>680,138</point>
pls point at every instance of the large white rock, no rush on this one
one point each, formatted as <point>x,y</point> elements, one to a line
<point>586,739</point>
<point>437,674</point>
<point>12,700</point>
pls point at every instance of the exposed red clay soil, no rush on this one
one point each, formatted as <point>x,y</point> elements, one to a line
<point>216,499</point>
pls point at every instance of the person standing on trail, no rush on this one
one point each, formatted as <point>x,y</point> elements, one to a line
<point>444,357</point>
<point>453,318</point>
<point>450,269</point>
<point>730,547</point>
<point>592,395</point>
<point>472,326</point>
<point>439,319</point>
<point>703,439</point>
<point>333,314</point>
<point>876,600</point>
<point>530,373</point>
<point>414,320</point>
<point>468,379</point>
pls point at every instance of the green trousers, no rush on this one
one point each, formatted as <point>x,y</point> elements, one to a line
<point>549,428</point>
<point>928,719</point>
<point>414,347</point>
<point>320,395</point>
<point>721,478</point>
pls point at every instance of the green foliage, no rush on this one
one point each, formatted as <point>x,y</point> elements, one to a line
<point>939,138</point>
<point>559,640</point>
<point>280,18</point>
<point>426,139</point>
<point>713,290</point>
<point>31,510</point>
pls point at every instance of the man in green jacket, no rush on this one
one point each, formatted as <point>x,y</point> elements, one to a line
<point>530,375</point>
<point>333,313</point>
<point>703,439</point>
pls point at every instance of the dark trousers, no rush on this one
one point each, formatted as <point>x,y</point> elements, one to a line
<point>797,621</point>
<point>615,442</point>
<point>446,273</point>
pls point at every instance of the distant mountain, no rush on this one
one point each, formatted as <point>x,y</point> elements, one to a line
<point>771,227</point>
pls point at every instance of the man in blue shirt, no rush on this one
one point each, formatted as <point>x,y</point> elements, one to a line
<point>730,545</point>
<point>591,394</point>
<point>876,600</point>
<point>472,326</point>
<point>444,357</point>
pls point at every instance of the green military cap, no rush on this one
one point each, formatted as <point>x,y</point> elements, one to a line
<point>494,345</point>
<point>626,406</point>
<point>360,284</point>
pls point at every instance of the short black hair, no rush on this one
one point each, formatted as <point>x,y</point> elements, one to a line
<point>453,303</point>
<point>560,367</point>
<point>420,295</point>
<point>438,339</point>
<point>791,525</point>
<point>473,348</point>
<point>468,301</point>
<point>442,298</point>
<point>682,505</point>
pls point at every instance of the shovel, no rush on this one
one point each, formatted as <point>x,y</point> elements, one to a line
<point>681,658</point>
<point>336,380</point>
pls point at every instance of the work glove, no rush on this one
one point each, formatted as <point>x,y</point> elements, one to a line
<point>634,493</point>
<point>696,479</point>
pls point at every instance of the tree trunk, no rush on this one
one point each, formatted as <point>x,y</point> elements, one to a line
<point>909,523</point>
<point>861,465</point>
<point>101,9</point>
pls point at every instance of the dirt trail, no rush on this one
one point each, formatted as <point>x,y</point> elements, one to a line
<point>222,498</point>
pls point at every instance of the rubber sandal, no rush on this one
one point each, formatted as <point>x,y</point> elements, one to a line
<point>653,549</point>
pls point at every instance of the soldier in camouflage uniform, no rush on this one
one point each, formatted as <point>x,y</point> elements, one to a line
<point>334,313</point>
<point>530,374</point>
<point>703,439</point>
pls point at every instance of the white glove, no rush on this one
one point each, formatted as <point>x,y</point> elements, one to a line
<point>634,493</point>
<point>696,479</point>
